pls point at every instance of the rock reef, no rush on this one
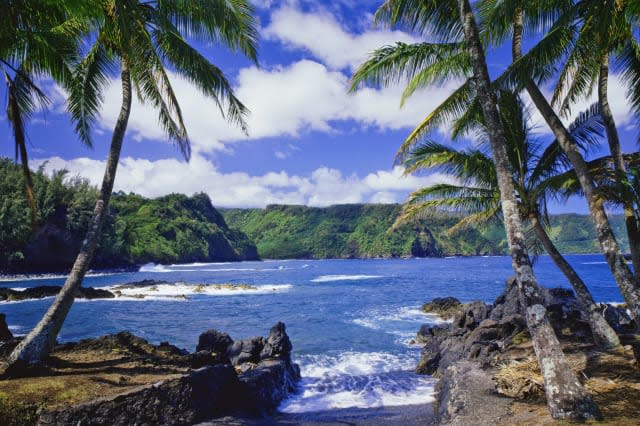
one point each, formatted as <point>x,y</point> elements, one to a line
<point>469,353</point>
<point>158,384</point>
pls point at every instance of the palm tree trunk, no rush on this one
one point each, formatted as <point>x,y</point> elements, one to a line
<point>603,335</point>
<point>618,160</point>
<point>18,131</point>
<point>566,398</point>
<point>608,243</point>
<point>41,340</point>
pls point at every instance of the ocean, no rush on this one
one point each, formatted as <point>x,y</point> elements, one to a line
<point>350,321</point>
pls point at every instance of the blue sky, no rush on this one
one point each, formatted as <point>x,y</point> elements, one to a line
<point>310,141</point>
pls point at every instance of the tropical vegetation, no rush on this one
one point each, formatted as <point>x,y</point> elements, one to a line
<point>143,40</point>
<point>566,32</point>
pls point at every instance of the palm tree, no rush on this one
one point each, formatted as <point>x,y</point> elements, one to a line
<point>511,17</point>
<point>566,397</point>
<point>143,37</point>
<point>538,173</point>
<point>605,34</point>
<point>38,39</point>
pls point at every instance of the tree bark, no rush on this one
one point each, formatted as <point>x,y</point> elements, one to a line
<point>566,398</point>
<point>608,243</point>
<point>603,335</point>
<point>42,339</point>
<point>618,160</point>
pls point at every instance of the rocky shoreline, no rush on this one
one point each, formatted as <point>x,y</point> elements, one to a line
<point>486,365</point>
<point>154,384</point>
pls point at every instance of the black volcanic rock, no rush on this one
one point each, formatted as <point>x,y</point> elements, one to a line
<point>5,333</point>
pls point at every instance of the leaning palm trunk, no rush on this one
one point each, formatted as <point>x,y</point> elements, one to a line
<point>608,243</point>
<point>41,340</point>
<point>566,398</point>
<point>603,335</point>
<point>618,160</point>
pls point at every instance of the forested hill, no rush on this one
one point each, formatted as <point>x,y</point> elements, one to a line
<point>360,230</point>
<point>137,230</point>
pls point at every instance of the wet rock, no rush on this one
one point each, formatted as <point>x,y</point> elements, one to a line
<point>265,385</point>
<point>139,284</point>
<point>42,291</point>
<point>249,350</point>
<point>214,341</point>
<point>201,359</point>
<point>618,318</point>
<point>278,344</point>
<point>428,332</point>
<point>445,307</point>
<point>93,293</point>
<point>5,333</point>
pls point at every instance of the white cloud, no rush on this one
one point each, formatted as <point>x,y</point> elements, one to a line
<point>323,187</point>
<point>284,101</point>
<point>323,36</point>
<point>620,106</point>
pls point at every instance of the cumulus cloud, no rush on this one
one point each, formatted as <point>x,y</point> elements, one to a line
<point>284,101</point>
<point>620,106</point>
<point>326,39</point>
<point>323,187</point>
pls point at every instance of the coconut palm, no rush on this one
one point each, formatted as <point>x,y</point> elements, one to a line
<point>38,39</point>
<point>605,35</point>
<point>143,38</point>
<point>539,173</point>
<point>566,397</point>
<point>509,18</point>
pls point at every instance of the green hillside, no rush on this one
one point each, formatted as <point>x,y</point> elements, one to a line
<point>360,230</point>
<point>137,230</point>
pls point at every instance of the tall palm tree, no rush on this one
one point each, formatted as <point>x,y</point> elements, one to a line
<point>143,38</point>
<point>606,34</point>
<point>38,39</point>
<point>538,173</point>
<point>566,398</point>
<point>511,18</point>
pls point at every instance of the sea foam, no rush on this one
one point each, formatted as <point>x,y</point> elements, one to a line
<point>358,380</point>
<point>330,278</point>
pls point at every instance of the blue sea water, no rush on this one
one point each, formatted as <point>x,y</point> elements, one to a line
<point>350,321</point>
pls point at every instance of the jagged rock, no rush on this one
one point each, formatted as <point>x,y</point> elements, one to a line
<point>5,333</point>
<point>42,291</point>
<point>508,303</point>
<point>427,332</point>
<point>194,397</point>
<point>201,359</point>
<point>249,350</point>
<point>445,307</point>
<point>215,342</point>
<point>267,384</point>
<point>139,284</point>
<point>618,318</point>
<point>470,316</point>
<point>278,344</point>
<point>93,293</point>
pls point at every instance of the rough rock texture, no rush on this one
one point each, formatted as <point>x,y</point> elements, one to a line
<point>445,307</point>
<point>251,379</point>
<point>51,290</point>
<point>464,352</point>
<point>196,396</point>
<point>5,333</point>
<point>466,394</point>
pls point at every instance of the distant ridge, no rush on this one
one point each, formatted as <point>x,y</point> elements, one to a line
<point>360,231</point>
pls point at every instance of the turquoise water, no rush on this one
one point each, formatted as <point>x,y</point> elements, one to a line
<point>350,321</point>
